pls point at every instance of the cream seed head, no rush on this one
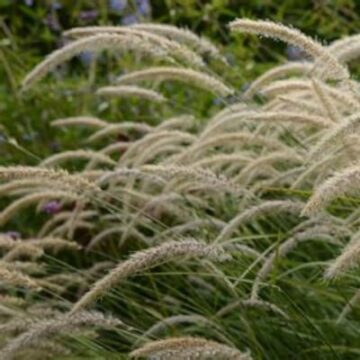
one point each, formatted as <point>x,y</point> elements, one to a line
<point>144,260</point>
<point>127,91</point>
<point>292,36</point>
<point>342,183</point>
<point>188,76</point>
<point>161,45</point>
<point>188,348</point>
<point>95,43</point>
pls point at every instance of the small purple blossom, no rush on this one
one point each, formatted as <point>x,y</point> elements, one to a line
<point>52,21</point>
<point>13,234</point>
<point>294,53</point>
<point>143,7</point>
<point>56,5</point>
<point>86,57</point>
<point>129,20</point>
<point>29,2</point>
<point>51,207</point>
<point>118,5</point>
<point>88,15</point>
<point>217,101</point>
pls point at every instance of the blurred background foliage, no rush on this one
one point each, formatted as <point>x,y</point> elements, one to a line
<point>31,29</point>
<point>37,24</point>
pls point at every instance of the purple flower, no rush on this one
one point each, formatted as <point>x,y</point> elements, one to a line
<point>88,15</point>
<point>118,5</point>
<point>29,2</point>
<point>13,234</point>
<point>51,207</point>
<point>143,7</point>
<point>86,57</point>
<point>294,53</point>
<point>129,20</point>
<point>56,5</point>
<point>53,22</point>
<point>217,101</point>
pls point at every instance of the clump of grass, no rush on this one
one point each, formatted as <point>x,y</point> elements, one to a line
<point>42,330</point>
<point>235,177</point>
<point>144,260</point>
<point>342,183</point>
